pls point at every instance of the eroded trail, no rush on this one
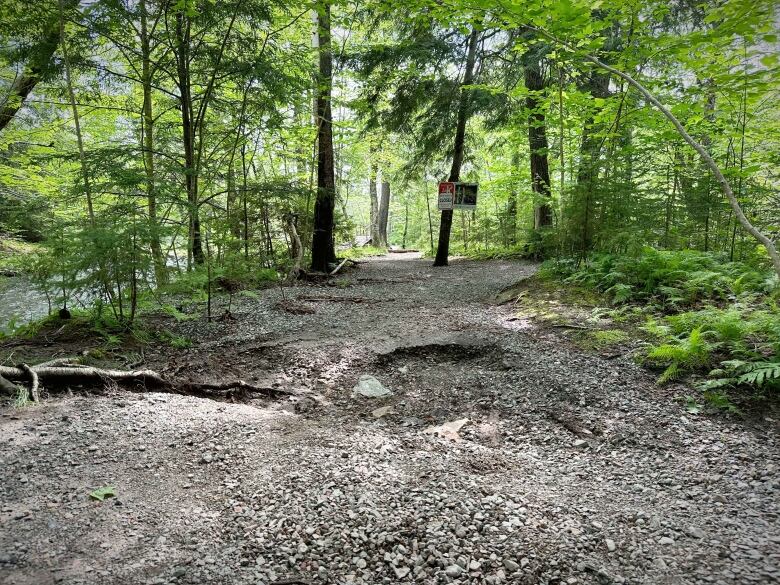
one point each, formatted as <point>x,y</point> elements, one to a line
<point>571,468</point>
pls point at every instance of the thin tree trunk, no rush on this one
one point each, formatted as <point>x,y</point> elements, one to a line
<point>148,147</point>
<point>76,119</point>
<point>443,250</point>
<point>188,135</point>
<point>322,246</point>
<point>383,214</point>
<point>372,195</point>
<point>511,206</point>
<point>406,222</point>
<point>537,142</point>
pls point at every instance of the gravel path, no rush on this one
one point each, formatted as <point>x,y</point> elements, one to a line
<point>571,468</point>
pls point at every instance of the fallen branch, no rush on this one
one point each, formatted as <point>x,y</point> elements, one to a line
<point>335,270</point>
<point>571,326</point>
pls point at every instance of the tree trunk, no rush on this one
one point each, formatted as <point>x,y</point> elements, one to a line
<point>383,215</point>
<point>188,134</point>
<point>537,143</point>
<point>443,250</point>
<point>597,85</point>
<point>322,245</point>
<point>373,229</point>
<point>148,149</point>
<point>39,62</point>
<point>76,119</point>
<point>511,206</point>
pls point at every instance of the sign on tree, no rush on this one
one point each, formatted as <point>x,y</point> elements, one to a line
<point>446,195</point>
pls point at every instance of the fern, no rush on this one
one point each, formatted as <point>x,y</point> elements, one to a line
<point>682,356</point>
<point>758,373</point>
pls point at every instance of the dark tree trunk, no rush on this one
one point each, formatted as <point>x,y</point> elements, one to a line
<point>443,250</point>
<point>383,215</point>
<point>322,247</point>
<point>537,143</point>
<point>188,134</point>
<point>590,150</point>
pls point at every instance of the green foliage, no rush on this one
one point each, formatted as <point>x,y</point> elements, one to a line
<point>758,375</point>
<point>681,356</point>
<point>176,340</point>
<point>672,279</point>
<point>102,493</point>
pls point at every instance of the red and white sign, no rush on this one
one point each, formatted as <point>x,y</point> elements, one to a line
<point>446,195</point>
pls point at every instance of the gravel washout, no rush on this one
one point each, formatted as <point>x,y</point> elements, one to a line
<point>571,468</point>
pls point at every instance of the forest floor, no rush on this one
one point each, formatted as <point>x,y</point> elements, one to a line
<point>573,466</point>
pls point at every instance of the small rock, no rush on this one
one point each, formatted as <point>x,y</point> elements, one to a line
<point>695,532</point>
<point>610,544</point>
<point>453,571</point>
<point>665,540</point>
<point>511,565</point>
<point>382,411</point>
<point>370,387</point>
<point>401,572</point>
<point>579,443</point>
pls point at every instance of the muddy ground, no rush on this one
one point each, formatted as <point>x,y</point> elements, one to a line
<point>573,466</point>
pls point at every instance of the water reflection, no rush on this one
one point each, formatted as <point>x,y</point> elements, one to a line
<point>20,302</point>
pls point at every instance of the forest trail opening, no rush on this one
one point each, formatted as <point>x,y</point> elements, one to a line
<point>570,468</point>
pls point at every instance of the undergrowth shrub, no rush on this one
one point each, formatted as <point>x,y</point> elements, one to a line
<point>708,316</point>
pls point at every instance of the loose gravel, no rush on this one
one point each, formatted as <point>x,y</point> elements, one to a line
<point>571,469</point>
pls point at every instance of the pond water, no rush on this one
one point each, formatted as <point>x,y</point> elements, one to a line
<point>20,302</point>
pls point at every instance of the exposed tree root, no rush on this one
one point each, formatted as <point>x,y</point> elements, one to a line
<point>80,374</point>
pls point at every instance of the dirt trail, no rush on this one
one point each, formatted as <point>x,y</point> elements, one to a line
<point>571,468</point>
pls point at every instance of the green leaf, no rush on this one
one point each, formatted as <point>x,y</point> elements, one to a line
<point>102,493</point>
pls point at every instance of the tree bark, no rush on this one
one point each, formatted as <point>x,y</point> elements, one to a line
<point>511,206</point>
<point>445,228</point>
<point>38,64</point>
<point>537,143</point>
<point>372,195</point>
<point>148,148</point>
<point>383,215</point>
<point>322,246</point>
<point>76,118</point>
<point>188,134</point>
